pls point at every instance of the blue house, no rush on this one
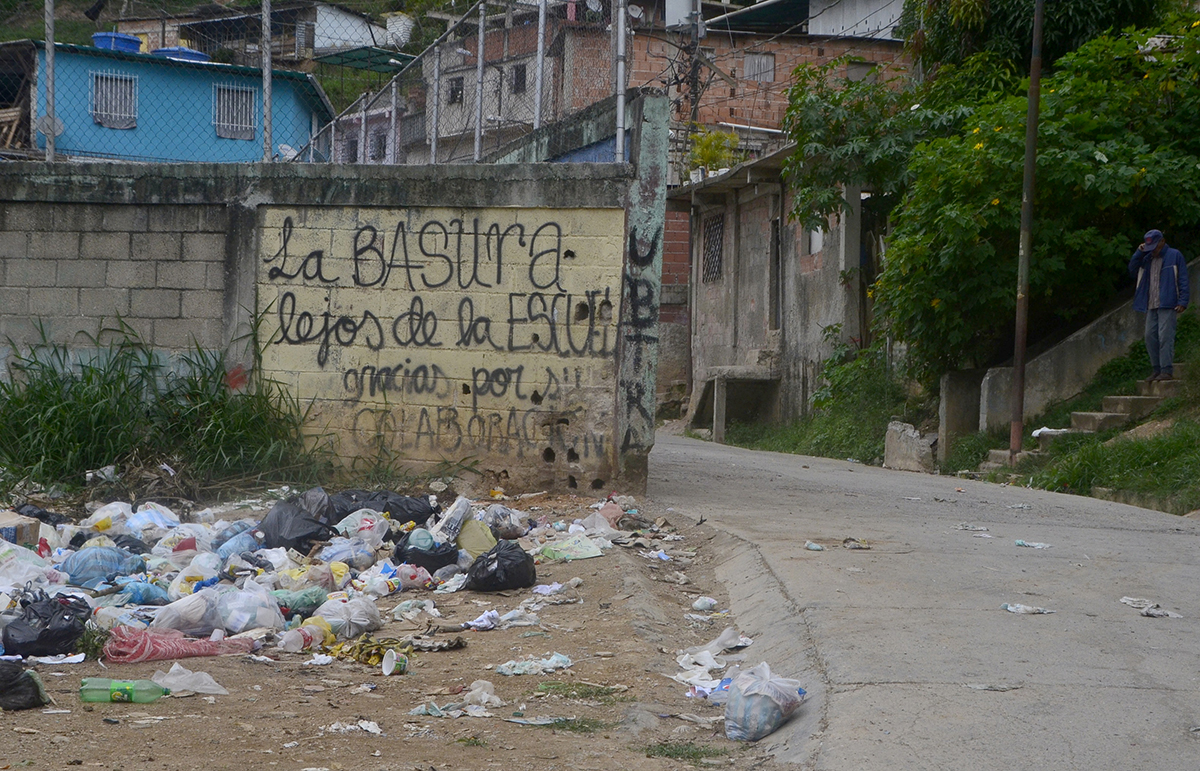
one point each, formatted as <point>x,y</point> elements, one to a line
<point>152,107</point>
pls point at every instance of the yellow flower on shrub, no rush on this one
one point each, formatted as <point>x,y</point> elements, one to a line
<point>936,302</point>
<point>995,202</point>
<point>979,146</point>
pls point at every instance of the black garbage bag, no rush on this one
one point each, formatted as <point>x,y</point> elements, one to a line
<point>347,502</point>
<point>316,504</point>
<point>20,688</point>
<point>432,560</point>
<point>131,544</point>
<point>48,626</point>
<point>506,566</point>
<point>401,508</point>
<point>290,526</point>
<point>49,517</point>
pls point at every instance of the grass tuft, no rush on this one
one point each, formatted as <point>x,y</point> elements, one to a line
<point>683,751</point>
<point>578,691</point>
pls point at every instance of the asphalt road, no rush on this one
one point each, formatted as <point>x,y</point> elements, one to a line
<point>909,659</point>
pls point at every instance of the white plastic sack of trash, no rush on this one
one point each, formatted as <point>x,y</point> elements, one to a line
<point>410,609</point>
<point>109,518</point>
<point>729,639</point>
<point>413,577</point>
<point>196,614</point>
<point>19,566</point>
<point>759,703</point>
<point>369,525</point>
<point>355,552</point>
<point>482,694</point>
<point>203,567</point>
<point>151,514</point>
<point>252,607</point>
<point>350,618</point>
<point>180,679</point>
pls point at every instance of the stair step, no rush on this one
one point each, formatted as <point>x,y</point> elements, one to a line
<point>1045,440</point>
<point>1097,421</point>
<point>1159,388</point>
<point>999,458</point>
<point>1135,407</point>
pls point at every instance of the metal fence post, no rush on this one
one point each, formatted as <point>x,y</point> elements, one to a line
<point>392,128</point>
<point>265,59</point>
<point>48,118</point>
<point>437,100</point>
<point>479,83</point>
<point>619,29</point>
<point>363,154</point>
<point>541,65</point>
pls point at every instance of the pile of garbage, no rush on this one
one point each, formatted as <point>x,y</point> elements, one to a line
<point>304,577</point>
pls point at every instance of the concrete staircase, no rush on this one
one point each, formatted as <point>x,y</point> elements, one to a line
<point>1116,411</point>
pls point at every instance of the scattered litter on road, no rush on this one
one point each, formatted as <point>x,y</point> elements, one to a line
<point>534,666</point>
<point>1032,544</point>
<point>855,543</point>
<point>759,703</point>
<point>362,726</point>
<point>704,603</point>
<point>1020,506</point>
<point>813,546</point>
<point>1149,608</point>
<point>1029,610</point>
<point>180,679</point>
<point>972,528</point>
<point>991,687</point>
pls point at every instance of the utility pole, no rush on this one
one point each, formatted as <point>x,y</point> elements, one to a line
<point>694,72</point>
<point>1017,429</point>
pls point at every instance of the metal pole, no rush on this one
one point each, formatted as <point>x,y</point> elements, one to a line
<point>541,64</point>
<point>363,156</point>
<point>48,118</point>
<point>265,53</point>
<point>437,100</point>
<point>394,141</point>
<point>1017,429</point>
<point>479,84</point>
<point>619,23</point>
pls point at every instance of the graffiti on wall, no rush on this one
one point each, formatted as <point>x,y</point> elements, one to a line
<point>449,333</point>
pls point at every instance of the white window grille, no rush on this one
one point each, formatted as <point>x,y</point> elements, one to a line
<point>114,100</point>
<point>714,242</point>
<point>235,111</point>
<point>760,67</point>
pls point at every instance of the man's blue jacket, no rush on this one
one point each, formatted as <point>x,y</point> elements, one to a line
<point>1172,284</point>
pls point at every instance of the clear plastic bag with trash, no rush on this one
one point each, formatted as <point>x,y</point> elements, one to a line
<point>251,607</point>
<point>759,703</point>
<point>350,618</point>
<point>367,525</point>
<point>197,614</point>
<point>355,552</point>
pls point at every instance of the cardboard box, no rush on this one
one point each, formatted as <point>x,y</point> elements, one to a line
<point>22,531</point>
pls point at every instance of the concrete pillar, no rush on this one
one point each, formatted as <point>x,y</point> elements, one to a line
<point>958,413</point>
<point>995,398</point>
<point>718,429</point>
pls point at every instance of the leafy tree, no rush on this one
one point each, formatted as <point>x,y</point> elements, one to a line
<point>950,31</point>
<point>1117,150</point>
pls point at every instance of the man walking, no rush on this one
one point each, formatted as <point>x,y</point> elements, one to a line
<point>1162,294</point>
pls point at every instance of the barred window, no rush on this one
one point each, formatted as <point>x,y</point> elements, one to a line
<point>114,100</point>
<point>714,241</point>
<point>235,113</point>
<point>518,79</point>
<point>760,67</point>
<point>456,91</point>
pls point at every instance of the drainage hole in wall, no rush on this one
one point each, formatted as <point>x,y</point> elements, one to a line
<point>569,254</point>
<point>548,455</point>
<point>605,311</point>
<point>466,390</point>
<point>582,311</point>
<point>572,456</point>
<point>572,482</point>
<point>563,422</point>
<point>535,397</point>
<point>597,484</point>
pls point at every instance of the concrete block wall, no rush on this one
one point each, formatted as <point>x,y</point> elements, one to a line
<point>454,313</point>
<point>73,268</point>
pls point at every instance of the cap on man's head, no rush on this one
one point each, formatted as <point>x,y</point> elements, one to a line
<point>1152,239</point>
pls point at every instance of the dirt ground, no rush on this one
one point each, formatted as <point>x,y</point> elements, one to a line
<point>624,634</point>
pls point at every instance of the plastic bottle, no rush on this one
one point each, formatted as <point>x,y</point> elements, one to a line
<point>296,640</point>
<point>104,689</point>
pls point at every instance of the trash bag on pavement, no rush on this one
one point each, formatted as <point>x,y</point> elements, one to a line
<point>430,559</point>
<point>20,688</point>
<point>302,603</point>
<point>48,626</point>
<point>504,523</point>
<point>49,517</point>
<point>759,703</point>
<point>367,524</point>
<point>507,566</point>
<point>101,563</point>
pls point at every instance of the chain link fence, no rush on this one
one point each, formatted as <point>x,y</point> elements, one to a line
<point>316,82</point>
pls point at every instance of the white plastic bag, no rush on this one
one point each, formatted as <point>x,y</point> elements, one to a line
<point>253,607</point>
<point>350,618</point>
<point>203,567</point>
<point>759,703</point>
<point>196,614</point>
<point>369,525</point>
<point>448,527</point>
<point>151,514</point>
<point>355,552</point>
<point>109,518</point>
<point>181,679</point>
<point>413,577</point>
